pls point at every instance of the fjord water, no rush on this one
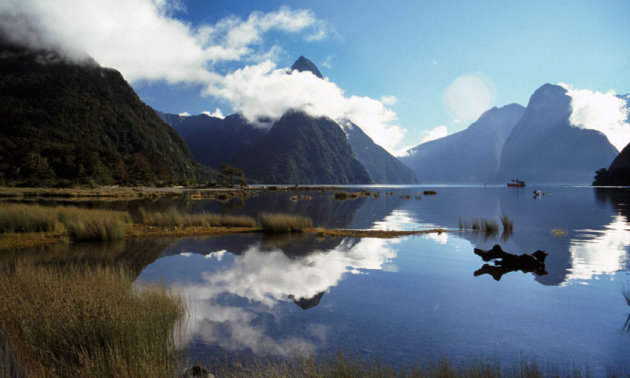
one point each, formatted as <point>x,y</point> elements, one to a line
<point>406,299</point>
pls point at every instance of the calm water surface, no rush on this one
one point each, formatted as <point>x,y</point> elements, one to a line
<point>403,300</point>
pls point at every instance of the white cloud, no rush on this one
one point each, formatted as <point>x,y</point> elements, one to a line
<point>262,90</point>
<point>184,114</point>
<point>216,114</point>
<point>143,40</point>
<point>468,96</point>
<point>389,100</point>
<point>604,112</point>
<point>435,133</point>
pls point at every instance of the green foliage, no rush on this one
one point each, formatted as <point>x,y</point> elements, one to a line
<point>63,123</point>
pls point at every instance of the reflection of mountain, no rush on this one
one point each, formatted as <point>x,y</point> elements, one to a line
<point>533,219</point>
<point>306,303</point>
<point>218,283</point>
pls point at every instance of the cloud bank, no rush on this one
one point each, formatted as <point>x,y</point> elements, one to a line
<point>604,112</point>
<point>146,41</point>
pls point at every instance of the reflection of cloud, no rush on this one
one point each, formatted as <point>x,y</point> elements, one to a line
<point>403,220</point>
<point>266,278</point>
<point>605,253</point>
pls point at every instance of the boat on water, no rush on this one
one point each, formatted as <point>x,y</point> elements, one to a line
<point>516,183</point>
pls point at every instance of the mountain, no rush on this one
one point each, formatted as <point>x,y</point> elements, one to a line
<point>618,174</point>
<point>214,141</point>
<point>65,123</point>
<point>297,149</point>
<point>300,149</point>
<point>303,64</point>
<point>380,164</point>
<point>545,148</point>
<point>469,156</point>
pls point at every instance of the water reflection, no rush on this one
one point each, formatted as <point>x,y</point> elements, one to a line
<point>267,277</point>
<point>596,252</point>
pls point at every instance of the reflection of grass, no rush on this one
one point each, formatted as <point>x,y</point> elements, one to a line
<point>281,223</point>
<point>626,294</point>
<point>558,232</point>
<point>79,321</point>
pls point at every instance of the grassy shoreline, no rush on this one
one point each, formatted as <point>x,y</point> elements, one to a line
<point>33,225</point>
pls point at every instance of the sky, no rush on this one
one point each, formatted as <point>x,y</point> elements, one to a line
<point>404,71</point>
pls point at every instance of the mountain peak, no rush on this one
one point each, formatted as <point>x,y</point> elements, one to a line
<point>303,64</point>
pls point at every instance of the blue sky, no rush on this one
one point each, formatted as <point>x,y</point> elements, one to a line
<point>414,65</point>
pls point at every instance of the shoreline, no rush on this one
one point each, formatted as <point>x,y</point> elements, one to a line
<point>138,231</point>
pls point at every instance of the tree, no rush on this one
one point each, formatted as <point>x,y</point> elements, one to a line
<point>229,172</point>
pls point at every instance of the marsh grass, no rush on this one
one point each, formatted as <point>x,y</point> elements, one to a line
<point>82,321</point>
<point>488,227</point>
<point>78,223</point>
<point>342,365</point>
<point>176,218</point>
<point>283,223</point>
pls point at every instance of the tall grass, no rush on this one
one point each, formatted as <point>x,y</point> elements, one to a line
<point>80,321</point>
<point>175,218</point>
<point>78,223</point>
<point>342,365</point>
<point>283,223</point>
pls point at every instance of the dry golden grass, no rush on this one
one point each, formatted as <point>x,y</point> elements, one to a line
<point>282,223</point>
<point>80,321</point>
<point>175,218</point>
<point>78,223</point>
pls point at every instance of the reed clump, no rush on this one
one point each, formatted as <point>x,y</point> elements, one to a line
<point>506,222</point>
<point>175,218</point>
<point>82,321</point>
<point>284,223</point>
<point>78,223</point>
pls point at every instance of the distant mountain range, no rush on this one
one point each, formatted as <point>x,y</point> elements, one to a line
<point>536,144</point>
<point>469,156</point>
<point>545,148</point>
<point>296,149</point>
<point>64,123</point>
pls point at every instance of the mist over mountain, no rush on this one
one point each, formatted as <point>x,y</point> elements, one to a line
<point>296,149</point>
<point>469,156</point>
<point>65,123</point>
<point>545,148</point>
<point>618,173</point>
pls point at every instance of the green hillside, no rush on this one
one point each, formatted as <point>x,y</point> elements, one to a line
<point>66,123</point>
